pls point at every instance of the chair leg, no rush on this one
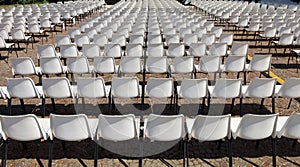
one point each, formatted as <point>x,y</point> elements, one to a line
<point>230,152</point>
<point>184,153</point>
<point>50,153</point>
<point>22,105</point>
<point>261,103</point>
<point>232,104</point>
<point>274,152</point>
<point>241,107</point>
<point>290,102</point>
<point>4,156</point>
<point>96,154</point>
<point>53,104</point>
<point>43,107</point>
<point>273,105</point>
<point>9,106</point>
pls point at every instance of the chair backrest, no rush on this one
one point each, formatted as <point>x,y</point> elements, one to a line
<point>227,38</point>
<point>172,38</point>
<point>291,127</point>
<point>227,88</point>
<point>136,39</point>
<point>81,39</point>
<point>69,51</point>
<point>91,87</point>
<point>91,50</point>
<point>21,88</point>
<point>46,50</point>
<point>193,88</point>
<point>70,127</point>
<point>112,50</point>
<point>134,50</point>
<point>118,39</point>
<point>290,88</point>
<point>17,34</point>
<point>200,31</point>
<point>126,87</point>
<point>211,128</point>
<point>160,87</point>
<point>156,64</point>
<point>164,127</point>
<point>117,127</point>
<point>176,50</point>
<point>188,39</point>
<point>260,63</point>
<point>51,65</point>
<point>208,39</point>
<point>217,31</point>
<point>130,65</point>
<point>57,87</point>
<point>104,65</point>
<point>78,65</point>
<point>261,88</point>
<point>183,65</point>
<point>22,128</point>
<point>255,127</point>
<point>197,49</point>
<point>217,49</point>
<point>100,39</point>
<point>23,66</point>
<point>270,32</point>
<point>154,39</point>
<point>235,64</point>
<point>286,39</point>
<point>208,64</point>
<point>62,40</point>
<point>239,49</point>
<point>155,50</point>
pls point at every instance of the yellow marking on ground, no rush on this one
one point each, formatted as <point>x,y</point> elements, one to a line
<point>271,74</point>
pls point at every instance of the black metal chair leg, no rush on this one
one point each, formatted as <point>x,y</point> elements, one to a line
<point>273,105</point>
<point>4,157</point>
<point>274,152</point>
<point>96,154</point>
<point>230,152</point>
<point>50,153</point>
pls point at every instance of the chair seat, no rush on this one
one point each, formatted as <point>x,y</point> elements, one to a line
<point>296,51</point>
<point>8,45</point>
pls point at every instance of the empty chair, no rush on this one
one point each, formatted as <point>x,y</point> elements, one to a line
<point>188,39</point>
<point>104,65</point>
<point>112,50</point>
<point>208,39</point>
<point>208,64</point>
<point>160,88</point>
<point>269,34</point>
<point>73,31</point>
<point>100,40</point>
<point>217,49</point>
<point>90,32</point>
<point>155,131</point>
<point>70,128</point>
<point>18,37</point>
<point>125,87</point>
<point>138,39</point>
<point>197,50</point>
<point>7,46</point>
<point>21,88</point>
<point>256,127</point>
<point>78,65</point>
<point>227,38</point>
<point>211,128</point>
<point>81,39</point>
<point>24,66</point>
<point>35,31</point>
<point>46,50</point>
<point>217,31</point>
<point>52,65</point>
<point>260,88</point>
<point>57,87</point>
<point>175,50</point>
<point>134,50</point>
<point>285,41</point>
<point>156,65</point>
<point>173,38</point>
<point>192,89</point>
<point>200,31</point>
<point>155,50</point>
<point>238,49</point>
<point>91,50</point>
<point>259,63</point>
<point>290,89</point>
<point>62,40</point>
<point>21,128</point>
<point>154,39</point>
<point>184,31</point>
<point>182,65</point>
<point>116,128</point>
<point>226,89</point>
<point>234,64</point>
<point>130,65</point>
<point>288,126</point>
<point>252,28</point>
<point>69,51</point>
<point>118,39</point>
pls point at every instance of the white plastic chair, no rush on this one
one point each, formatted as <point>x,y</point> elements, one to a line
<point>24,66</point>
<point>81,39</point>
<point>175,50</point>
<point>130,65</point>
<point>20,128</point>
<point>78,65</point>
<point>234,64</point>
<point>69,51</point>
<point>288,126</point>
<point>260,88</point>
<point>104,65</point>
<point>217,49</point>
<point>134,50</point>
<point>62,40</point>
<point>70,128</point>
<point>192,89</point>
<point>182,65</point>
<point>112,50</point>
<point>290,89</point>
<point>52,65</point>
<point>256,127</point>
<point>197,50</point>
<point>155,50</point>
<point>238,49</point>
<point>7,46</point>
<point>18,37</point>
<point>46,50</point>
